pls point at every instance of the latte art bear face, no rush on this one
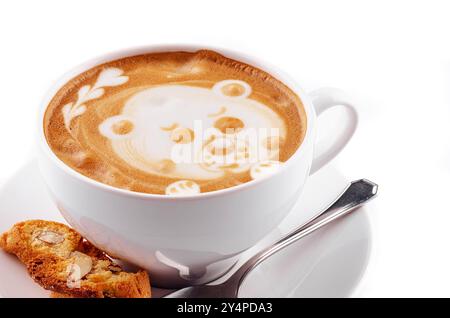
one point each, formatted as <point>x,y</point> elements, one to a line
<point>175,123</point>
<point>196,133</point>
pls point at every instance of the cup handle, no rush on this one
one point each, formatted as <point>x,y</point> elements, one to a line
<point>324,99</point>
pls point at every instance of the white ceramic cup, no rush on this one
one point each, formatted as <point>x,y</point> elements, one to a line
<point>191,239</point>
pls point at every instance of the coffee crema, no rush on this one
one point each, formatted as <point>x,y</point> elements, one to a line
<point>174,123</point>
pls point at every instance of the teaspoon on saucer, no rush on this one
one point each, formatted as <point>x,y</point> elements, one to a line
<point>357,193</point>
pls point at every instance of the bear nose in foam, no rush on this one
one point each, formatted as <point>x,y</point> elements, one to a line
<point>229,125</point>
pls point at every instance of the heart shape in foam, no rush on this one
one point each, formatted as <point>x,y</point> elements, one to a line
<point>111,77</point>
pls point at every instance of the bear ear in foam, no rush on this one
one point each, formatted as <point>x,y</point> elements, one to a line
<point>182,187</point>
<point>117,127</point>
<point>232,89</point>
<point>264,169</point>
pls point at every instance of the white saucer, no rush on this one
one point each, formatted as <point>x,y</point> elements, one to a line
<point>328,263</point>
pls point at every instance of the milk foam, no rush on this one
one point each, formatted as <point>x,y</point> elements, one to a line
<point>182,187</point>
<point>108,77</point>
<point>175,123</point>
<point>264,169</point>
<point>154,109</point>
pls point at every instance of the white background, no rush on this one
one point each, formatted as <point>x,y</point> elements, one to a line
<point>393,57</point>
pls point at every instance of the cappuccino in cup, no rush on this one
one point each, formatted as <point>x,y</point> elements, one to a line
<point>174,123</point>
<point>177,159</point>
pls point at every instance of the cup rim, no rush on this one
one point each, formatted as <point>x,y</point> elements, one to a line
<point>127,52</point>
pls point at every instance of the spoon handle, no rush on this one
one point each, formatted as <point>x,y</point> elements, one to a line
<point>356,193</point>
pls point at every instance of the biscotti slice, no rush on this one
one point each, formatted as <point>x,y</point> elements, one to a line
<point>30,239</point>
<point>60,260</point>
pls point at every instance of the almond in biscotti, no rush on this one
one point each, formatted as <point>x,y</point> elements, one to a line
<point>80,266</point>
<point>50,237</point>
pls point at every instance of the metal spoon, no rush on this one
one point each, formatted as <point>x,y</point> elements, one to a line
<point>356,193</point>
